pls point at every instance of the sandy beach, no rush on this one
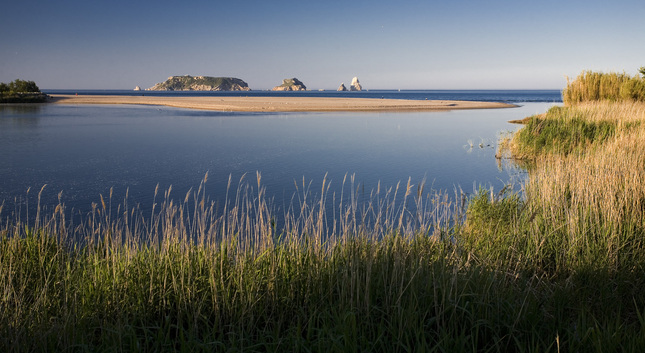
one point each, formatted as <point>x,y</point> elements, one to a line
<point>280,104</point>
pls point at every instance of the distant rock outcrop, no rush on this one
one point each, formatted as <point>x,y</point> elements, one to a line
<point>137,88</point>
<point>356,86</point>
<point>290,84</point>
<point>342,87</point>
<point>200,83</point>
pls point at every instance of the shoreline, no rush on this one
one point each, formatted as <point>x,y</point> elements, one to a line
<point>281,104</point>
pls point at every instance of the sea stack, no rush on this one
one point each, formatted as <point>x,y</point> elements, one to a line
<point>137,88</point>
<point>356,86</point>
<point>342,87</point>
<point>290,84</point>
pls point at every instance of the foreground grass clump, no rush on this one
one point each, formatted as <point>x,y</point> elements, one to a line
<point>584,199</point>
<point>398,276</point>
<point>581,221</point>
<point>576,129</point>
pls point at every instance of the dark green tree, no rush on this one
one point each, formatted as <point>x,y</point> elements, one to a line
<point>21,86</point>
<point>21,91</point>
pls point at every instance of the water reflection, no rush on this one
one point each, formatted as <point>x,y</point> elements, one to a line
<point>20,116</point>
<point>20,109</point>
<point>86,151</point>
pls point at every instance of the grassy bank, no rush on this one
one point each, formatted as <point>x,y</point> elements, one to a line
<point>584,201</point>
<point>579,129</point>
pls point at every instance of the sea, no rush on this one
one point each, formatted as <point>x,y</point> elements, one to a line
<point>509,96</point>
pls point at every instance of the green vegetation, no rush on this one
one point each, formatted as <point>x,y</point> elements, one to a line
<point>597,86</point>
<point>19,91</point>
<point>577,130</point>
<point>290,82</point>
<point>582,218</point>
<point>201,83</point>
<point>512,277</point>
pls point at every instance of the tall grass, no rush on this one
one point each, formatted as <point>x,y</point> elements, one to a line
<point>597,86</point>
<point>401,273</point>
<point>581,220</point>
<point>577,129</point>
<point>584,200</point>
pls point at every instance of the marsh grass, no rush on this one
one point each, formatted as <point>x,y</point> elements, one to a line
<point>580,221</point>
<point>598,86</point>
<point>578,129</point>
<point>404,272</point>
<point>584,199</point>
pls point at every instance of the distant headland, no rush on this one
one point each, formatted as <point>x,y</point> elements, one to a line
<point>200,83</point>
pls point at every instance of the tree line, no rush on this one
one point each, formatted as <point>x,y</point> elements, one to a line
<point>19,86</point>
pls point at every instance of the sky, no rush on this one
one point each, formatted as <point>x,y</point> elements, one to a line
<point>457,44</point>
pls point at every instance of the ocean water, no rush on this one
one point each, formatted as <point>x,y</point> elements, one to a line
<point>508,96</point>
<point>78,153</point>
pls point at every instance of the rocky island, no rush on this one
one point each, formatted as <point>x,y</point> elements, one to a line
<point>356,86</point>
<point>200,83</point>
<point>290,84</point>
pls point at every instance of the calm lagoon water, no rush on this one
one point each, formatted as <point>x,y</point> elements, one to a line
<point>84,151</point>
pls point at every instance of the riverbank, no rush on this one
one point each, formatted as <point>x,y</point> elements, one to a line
<point>281,104</point>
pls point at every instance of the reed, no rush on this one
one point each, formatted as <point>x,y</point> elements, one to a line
<point>583,205</point>
<point>598,86</point>
<point>402,272</point>
<point>578,129</point>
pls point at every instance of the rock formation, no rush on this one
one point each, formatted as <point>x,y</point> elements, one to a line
<point>137,88</point>
<point>342,87</point>
<point>200,83</point>
<point>356,86</point>
<point>290,84</point>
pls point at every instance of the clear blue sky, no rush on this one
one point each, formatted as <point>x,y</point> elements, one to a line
<point>495,44</point>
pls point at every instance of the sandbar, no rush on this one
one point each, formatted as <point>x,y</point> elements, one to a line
<point>280,104</point>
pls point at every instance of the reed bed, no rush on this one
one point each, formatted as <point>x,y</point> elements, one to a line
<point>598,86</point>
<point>577,129</point>
<point>584,200</point>
<point>580,220</point>
<point>399,273</point>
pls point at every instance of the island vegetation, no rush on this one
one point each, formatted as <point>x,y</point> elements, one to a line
<point>20,91</point>
<point>200,83</point>
<point>558,268</point>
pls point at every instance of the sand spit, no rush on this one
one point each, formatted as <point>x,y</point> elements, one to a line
<point>281,104</point>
